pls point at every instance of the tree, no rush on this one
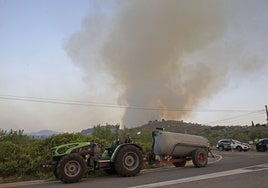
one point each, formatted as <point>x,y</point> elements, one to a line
<point>103,132</point>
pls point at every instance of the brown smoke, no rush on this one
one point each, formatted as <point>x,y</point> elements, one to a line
<point>154,50</point>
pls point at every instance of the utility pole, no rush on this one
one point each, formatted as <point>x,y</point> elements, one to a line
<point>266,114</point>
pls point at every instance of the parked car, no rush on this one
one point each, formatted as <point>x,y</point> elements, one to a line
<point>228,144</point>
<point>262,145</point>
<point>241,146</point>
<point>224,144</point>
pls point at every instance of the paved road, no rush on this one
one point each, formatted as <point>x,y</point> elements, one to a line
<point>234,169</point>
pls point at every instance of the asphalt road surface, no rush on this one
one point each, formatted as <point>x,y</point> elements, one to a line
<point>228,169</point>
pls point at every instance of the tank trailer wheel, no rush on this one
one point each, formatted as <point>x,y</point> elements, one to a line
<point>128,161</point>
<point>71,168</point>
<point>200,158</point>
<point>180,164</point>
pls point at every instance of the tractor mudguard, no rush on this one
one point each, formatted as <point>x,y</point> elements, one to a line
<point>67,149</point>
<point>121,146</point>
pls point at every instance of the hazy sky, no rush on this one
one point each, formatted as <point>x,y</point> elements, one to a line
<point>68,65</point>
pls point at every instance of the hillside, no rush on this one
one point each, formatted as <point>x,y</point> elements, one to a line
<point>173,126</point>
<point>215,133</point>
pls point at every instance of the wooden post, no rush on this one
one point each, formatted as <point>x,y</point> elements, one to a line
<point>266,114</point>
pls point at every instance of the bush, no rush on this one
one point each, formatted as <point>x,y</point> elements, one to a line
<point>9,157</point>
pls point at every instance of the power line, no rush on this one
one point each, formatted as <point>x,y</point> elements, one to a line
<point>110,105</point>
<point>235,117</point>
<point>56,101</point>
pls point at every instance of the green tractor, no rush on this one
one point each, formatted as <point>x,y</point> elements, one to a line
<point>72,161</point>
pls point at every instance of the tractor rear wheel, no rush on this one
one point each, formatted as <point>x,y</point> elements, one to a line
<point>71,168</point>
<point>128,161</point>
<point>200,157</point>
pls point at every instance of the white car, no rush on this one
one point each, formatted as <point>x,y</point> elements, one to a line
<point>240,146</point>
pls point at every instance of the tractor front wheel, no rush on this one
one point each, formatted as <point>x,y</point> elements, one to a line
<point>128,161</point>
<point>71,168</point>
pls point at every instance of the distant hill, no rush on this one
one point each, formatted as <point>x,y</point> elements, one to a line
<point>88,131</point>
<point>213,133</point>
<point>43,133</point>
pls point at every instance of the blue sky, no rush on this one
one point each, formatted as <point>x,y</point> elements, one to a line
<point>32,37</point>
<point>38,39</point>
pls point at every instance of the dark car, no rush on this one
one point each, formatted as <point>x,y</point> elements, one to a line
<point>262,145</point>
<point>224,144</point>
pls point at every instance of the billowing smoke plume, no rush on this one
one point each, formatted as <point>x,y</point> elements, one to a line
<point>162,55</point>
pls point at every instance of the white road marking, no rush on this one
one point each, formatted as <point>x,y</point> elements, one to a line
<point>206,176</point>
<point>17,184</point>
<point>215,161</point>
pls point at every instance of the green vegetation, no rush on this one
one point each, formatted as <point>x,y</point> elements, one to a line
<point>23,157</point>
